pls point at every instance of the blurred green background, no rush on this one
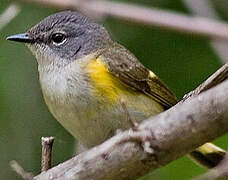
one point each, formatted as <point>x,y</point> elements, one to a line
<point>182,61</point>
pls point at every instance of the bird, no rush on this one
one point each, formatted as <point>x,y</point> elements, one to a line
<point>89,81</point>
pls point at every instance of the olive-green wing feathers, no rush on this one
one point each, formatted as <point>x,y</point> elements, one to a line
<point>124,65</point>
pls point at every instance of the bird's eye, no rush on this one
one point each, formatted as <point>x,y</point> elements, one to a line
<point>58,38</point>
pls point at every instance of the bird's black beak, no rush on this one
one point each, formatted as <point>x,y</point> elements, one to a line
<point>21,38</point>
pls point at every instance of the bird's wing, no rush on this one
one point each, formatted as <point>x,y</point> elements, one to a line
<point>125,66</point>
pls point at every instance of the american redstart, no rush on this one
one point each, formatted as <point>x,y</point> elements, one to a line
<point>85,76</point>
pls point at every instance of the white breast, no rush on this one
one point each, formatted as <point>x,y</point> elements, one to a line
<point>69,97</point>
<point>67,94</point>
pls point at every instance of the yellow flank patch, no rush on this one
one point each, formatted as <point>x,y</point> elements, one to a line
<point>112,90</point>
<point>106,85</point>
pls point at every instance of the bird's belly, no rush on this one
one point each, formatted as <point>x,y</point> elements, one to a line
<point>88,111</point>
<point>92,122</point>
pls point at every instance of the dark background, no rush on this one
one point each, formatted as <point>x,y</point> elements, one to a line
<point>182,61</point>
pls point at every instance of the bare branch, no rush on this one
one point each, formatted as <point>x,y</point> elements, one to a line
<point>143,15</point>
<point>20,171</point>
<point>47,143</point>
<point>11,12</point>
<point>205,8</point>
<point>128,117</point>
<point>169,136</point>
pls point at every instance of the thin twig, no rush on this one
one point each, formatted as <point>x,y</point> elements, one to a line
<point>11,12</point>
<point>219,76</point>
<point>128,117</point>
<point>47,143</point>
<point>147,16</point>
<point>20,171</point>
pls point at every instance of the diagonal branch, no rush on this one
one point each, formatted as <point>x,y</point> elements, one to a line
<point>20,171</point>
<point>205,8</point>
<point>11,12</point>
<point>143,15</point>
<point>168,136</point>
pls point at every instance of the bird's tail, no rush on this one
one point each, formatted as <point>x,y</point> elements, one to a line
<point>208,155</point>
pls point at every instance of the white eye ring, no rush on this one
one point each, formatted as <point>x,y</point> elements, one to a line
<point>58,38</point>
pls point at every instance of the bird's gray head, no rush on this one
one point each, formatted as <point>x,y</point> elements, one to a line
<point>64,37</point>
